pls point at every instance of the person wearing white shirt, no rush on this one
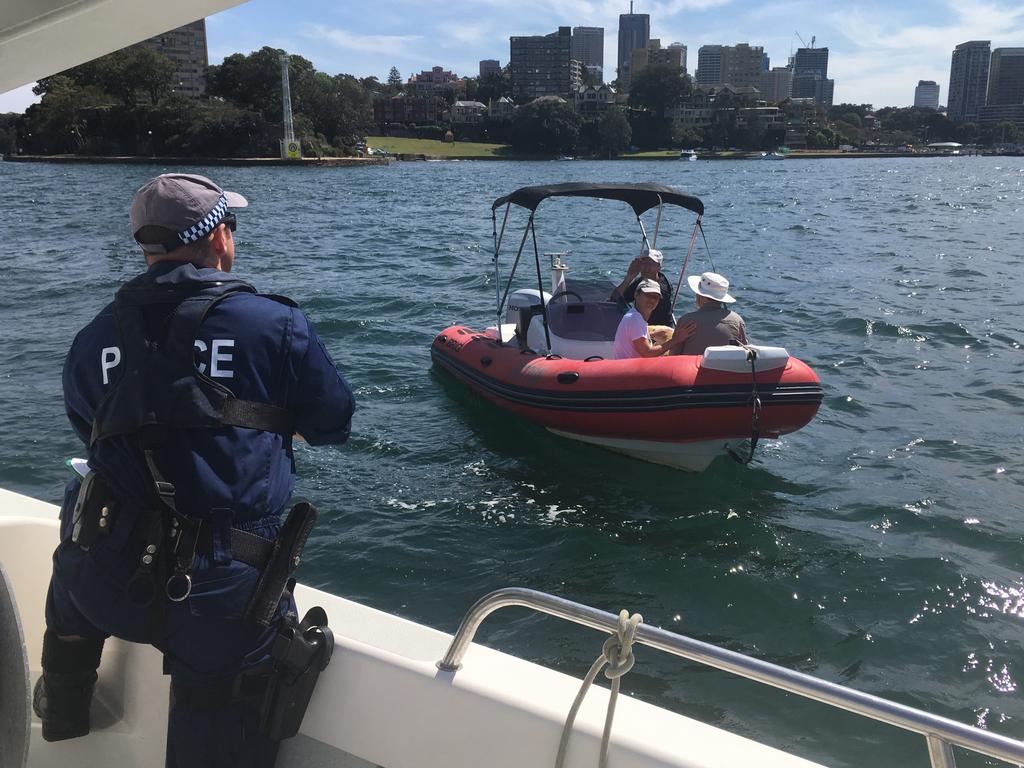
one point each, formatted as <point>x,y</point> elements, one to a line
<point>632,337</point>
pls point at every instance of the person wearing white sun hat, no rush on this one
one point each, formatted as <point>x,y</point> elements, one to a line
<point>716,323</point>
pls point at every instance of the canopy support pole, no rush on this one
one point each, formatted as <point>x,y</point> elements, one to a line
<point>657,223</point>
<point>682,272</point>
<point>643,232</point>
<point>515,266</point>
<point>540,284</point>
<point>497,249</point>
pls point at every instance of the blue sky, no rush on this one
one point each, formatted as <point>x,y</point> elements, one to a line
<point>878,49</point>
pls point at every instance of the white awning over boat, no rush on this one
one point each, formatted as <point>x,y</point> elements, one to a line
<point>42,37</point>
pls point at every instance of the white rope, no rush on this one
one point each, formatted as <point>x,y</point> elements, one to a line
<point>617,654</point>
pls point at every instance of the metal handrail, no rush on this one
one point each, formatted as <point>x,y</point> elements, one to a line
<point>940,732</point>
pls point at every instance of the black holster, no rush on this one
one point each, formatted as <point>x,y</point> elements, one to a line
<point>283,561</point>
<point>278,691</point>
<point>301,651</point>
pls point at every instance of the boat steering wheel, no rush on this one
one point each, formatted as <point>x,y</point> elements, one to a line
<point>566,293</point>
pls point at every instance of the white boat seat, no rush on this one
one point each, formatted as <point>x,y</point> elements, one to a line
<point>734,359</point>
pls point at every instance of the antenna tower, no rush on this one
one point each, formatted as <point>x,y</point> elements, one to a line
<point>290,147</point>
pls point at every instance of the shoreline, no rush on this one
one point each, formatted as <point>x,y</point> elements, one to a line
<point>355,162</point>
<point>337,162</point>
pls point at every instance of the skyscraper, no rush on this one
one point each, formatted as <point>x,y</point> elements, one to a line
<point>1006,77</point>
<point>588,46</point>
<point>1005,90</point>
<point>186,47</point>
<point>926,95</point>
<point>810,76</point>
<point>542,65</point>
<point>742,64</point>
<point>634,32</point>
<point>674,56</point>
<point>777,84</point>
<point>709,64</point>
<point>968,79</point>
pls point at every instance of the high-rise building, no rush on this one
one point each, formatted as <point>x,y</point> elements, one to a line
<point>682,55</point>
<point>186,47</point>
<point>490,67</point>
<point>810,76</point>
<point>640,58</point>
<point>777,84</point>
<point>926,95</point>
<point>1006,77</point>
<point>1005,90</point>
<point>811,61</point>
<point>709,64</point>
<point>968,79</point>
<point>742,64</point>
<point>634,32</point>
<point>542,65</point>
<point>588,47</point>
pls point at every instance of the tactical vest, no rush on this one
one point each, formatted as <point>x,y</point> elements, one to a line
<point>161,390</point>
<point>160,387</point>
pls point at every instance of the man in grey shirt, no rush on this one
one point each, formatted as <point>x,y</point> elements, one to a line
<point>716,323</point>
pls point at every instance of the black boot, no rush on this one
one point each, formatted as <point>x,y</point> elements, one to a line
<point>64,691</point>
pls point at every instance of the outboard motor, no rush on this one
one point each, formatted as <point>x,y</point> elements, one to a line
<point>521,308</point>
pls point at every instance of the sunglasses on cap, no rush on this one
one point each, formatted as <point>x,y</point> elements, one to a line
<point>230,221</point>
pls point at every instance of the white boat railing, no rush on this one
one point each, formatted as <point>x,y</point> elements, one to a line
<point>940,733</point>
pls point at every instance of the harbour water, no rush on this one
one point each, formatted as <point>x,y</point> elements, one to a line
<point>880,547</point>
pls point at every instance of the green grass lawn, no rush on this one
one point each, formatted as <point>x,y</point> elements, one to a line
<point>657,153</point>
<point>436,148</point>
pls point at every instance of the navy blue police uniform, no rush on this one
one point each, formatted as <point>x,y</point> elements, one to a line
<point>236,478</point>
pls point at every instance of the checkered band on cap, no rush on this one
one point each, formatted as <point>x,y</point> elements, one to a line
<point>206,224</point>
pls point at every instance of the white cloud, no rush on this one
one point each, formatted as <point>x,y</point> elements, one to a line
<point>393,45</point>
<point>882,59</point>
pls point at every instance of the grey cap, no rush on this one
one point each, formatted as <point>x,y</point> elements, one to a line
<point>648,286</point>
<point>188,206</point>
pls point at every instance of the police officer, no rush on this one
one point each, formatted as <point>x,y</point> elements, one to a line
<point>187,390</point>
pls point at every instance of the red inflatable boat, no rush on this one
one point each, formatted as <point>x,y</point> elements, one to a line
<point>551,361</point>
<point>682,411</point>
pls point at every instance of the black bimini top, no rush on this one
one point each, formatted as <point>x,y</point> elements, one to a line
<point>641,197</point>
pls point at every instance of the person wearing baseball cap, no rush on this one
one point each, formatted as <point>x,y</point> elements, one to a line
<point>187,391</point>
<point>647,266</point>
<point>632,337</point>
<point>715,323</point>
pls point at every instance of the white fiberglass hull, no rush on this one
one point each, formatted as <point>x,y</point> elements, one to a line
<point>692,457</point>
<point>381,702</point>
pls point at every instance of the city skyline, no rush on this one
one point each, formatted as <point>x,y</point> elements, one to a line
<point>878,51</point>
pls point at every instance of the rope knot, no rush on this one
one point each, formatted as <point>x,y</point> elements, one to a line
<point>618,648</point>
<point>617,659</point>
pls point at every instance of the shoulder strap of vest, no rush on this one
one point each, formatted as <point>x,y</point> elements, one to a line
<point>280,299</point>
<point>235,412</point>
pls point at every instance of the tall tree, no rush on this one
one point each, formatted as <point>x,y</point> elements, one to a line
<point>546,126</point>
<point>126,75</point>
<point>658,87</point>
<point>395,80</point>
<point>614,133</point>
